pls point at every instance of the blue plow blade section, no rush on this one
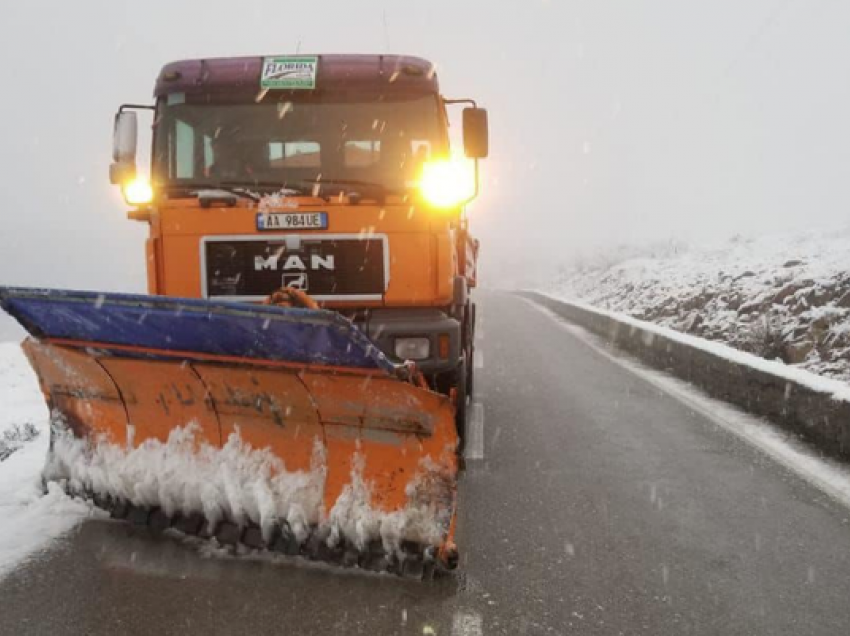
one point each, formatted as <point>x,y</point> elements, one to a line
<point>189,325</point>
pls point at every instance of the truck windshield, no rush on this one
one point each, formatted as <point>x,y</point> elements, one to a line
<point>292,143</point>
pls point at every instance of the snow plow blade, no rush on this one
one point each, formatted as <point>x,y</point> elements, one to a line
<point>285,429</point>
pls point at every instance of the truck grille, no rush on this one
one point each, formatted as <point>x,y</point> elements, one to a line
<point>341,267</point>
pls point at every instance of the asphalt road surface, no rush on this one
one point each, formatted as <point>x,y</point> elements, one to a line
<point>601,506</point>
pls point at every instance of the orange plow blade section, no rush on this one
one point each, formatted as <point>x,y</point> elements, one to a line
<point>284,429</point>
<point>326,463</point>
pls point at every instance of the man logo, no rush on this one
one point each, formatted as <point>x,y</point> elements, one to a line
<point>277,261</point>
<point>296,281</point>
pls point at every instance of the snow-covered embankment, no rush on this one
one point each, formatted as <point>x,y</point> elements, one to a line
<point>29,519</point>
<point>781,297</point>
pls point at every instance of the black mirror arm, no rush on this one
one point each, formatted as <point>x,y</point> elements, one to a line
<point>465,100</point>
<point>124,107</point>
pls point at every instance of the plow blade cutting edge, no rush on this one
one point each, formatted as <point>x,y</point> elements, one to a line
<point>288,425</point>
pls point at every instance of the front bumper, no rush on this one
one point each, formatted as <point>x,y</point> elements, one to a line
<point>385,325</point>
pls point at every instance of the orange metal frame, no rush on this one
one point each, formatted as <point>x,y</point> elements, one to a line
<point>423,245</point>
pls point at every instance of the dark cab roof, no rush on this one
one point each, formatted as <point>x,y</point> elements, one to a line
<point>387,74</point>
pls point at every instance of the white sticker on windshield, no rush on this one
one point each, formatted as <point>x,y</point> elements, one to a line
<point>289,72</point>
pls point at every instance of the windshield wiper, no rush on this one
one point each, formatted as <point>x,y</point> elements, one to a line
<point>274,186</point>
<point>212,191</point>
<point>234,189</point>
<point>355,182</point>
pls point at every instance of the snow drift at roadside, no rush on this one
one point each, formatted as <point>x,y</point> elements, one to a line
<point>29,519</point>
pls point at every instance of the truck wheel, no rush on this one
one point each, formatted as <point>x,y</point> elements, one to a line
<point>470,371</point>
<point>462,404</point>
<point>470,349</point>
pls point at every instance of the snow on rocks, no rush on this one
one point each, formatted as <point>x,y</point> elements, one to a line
<point>15,437</point>
<point>23,416</point>
<point>781,297</point>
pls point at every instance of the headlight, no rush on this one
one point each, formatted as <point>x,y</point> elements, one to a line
<point>412,348</point>
<point>138,191</point>
<point>446,183</point>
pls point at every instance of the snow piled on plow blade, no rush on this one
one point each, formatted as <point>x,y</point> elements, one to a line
<point>242,484</point>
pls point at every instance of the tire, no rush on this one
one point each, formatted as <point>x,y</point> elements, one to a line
<point>469,349</point>
<point>462,405</point>
<point>470,371</point>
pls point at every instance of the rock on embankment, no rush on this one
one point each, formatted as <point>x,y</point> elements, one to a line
<point>785,298</point>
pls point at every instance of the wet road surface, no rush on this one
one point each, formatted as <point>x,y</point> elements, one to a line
<point>601,506</point>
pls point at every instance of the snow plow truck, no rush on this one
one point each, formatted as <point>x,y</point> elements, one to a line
<point>297,379</point>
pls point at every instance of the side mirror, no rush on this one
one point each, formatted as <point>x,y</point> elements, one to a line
<point>124,140</point>
<point>476,136</point>
<point>124,137</point>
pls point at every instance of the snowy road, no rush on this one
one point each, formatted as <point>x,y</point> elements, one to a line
<point>602,505</point>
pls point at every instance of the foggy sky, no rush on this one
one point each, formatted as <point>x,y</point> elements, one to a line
<point>611,121</point>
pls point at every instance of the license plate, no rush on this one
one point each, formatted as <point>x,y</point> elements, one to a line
<point>292,221</point>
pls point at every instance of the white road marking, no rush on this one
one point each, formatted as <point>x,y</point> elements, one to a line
<point>478,358</point>
<point>467,623</point>
<point>475,440</point>
<point>826,475</point>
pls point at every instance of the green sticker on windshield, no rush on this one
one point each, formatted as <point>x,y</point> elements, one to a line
<point>289,72</point>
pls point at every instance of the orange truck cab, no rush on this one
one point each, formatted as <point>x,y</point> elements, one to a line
<point>331,174</point>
